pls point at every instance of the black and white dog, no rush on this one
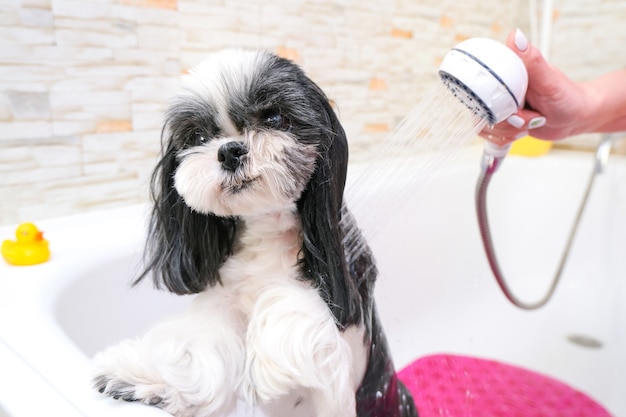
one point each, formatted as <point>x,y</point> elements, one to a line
<point>249,215</point>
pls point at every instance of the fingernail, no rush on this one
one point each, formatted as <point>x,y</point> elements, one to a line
<point>536,122</point>
<point>521,135</point>
<point>521,41</point>
<point>516,121</point>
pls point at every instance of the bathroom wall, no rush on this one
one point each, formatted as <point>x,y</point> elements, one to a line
<point>83,83</point>
<point>587,40</point>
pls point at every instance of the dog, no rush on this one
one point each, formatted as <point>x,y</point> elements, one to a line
<point>249,215</point>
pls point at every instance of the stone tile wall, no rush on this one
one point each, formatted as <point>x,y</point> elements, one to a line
<point>83,83</point>
<point>588,40</point>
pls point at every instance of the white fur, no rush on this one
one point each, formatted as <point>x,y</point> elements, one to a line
<point>259,337</point>
<point>206,188</point>
<point>264,336</point>
<point>206,79</point>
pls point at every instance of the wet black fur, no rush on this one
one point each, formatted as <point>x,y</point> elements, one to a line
<point>185,249</point>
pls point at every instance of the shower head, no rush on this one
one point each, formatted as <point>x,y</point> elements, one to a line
<point>486,76</point>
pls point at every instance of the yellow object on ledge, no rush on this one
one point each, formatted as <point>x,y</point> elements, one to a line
<point>529,146</point>
<point>29,249</point>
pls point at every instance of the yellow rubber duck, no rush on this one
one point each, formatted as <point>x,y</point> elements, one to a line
<point>29,249</point>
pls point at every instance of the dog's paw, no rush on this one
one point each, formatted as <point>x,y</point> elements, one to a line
<point>122,390</point>
<point>125,372</point>
<point>179,381</point>
<point>153,394</point>
<point>265,381</point>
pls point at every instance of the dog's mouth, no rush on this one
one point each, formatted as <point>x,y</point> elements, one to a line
<point>237,185</point>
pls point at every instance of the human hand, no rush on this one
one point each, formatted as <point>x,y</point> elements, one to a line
<point>554,103</point>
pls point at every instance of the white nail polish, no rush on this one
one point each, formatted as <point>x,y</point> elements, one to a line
<point>515,121</point>
<point>521,135</point>
<point>536,122</point>
<point>521,41</point>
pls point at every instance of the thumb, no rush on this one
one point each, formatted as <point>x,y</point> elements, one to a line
<point>540,72</point>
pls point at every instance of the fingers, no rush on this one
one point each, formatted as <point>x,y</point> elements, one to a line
<point>540,72</point>
<point>527,119</point>
<point>499,137</point>
<point>515,127</point>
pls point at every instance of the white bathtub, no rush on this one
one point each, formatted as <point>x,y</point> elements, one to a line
<point>435,292</point>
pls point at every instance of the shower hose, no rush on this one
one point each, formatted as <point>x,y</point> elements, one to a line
<point>489,168</point>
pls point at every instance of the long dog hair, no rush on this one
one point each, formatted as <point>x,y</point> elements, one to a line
<point>254,162</point>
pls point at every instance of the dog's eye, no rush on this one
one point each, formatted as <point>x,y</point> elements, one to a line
<point>200,138</point>
<point>276,120</point>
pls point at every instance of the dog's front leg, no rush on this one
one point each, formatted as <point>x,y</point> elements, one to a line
<point>188,366</point>
<point>293,342</point>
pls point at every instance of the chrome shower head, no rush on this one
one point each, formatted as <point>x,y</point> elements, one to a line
<point>486,76</point>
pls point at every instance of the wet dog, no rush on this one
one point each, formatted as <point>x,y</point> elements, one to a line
<point>249,215</point>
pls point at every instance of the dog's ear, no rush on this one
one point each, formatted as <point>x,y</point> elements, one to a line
<point>320,207</point>
<point>184,249</point>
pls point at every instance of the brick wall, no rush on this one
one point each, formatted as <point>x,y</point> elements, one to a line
<point>83,83</point>
<point>587,41</point>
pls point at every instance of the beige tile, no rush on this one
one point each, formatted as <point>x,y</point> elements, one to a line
<point>83,84</point>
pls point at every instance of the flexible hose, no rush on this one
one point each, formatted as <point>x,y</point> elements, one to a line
<point>485,234</point>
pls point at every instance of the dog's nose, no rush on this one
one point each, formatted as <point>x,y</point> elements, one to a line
<point>229,154</point>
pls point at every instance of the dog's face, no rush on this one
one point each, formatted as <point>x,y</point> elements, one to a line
<point>247,131</point>
<point>249,134</point>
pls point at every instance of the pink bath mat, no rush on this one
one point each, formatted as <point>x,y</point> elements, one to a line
<point>459,386</point>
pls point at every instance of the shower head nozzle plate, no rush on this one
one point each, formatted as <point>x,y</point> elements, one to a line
<point>487,77</point>
<point>464,94</point>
